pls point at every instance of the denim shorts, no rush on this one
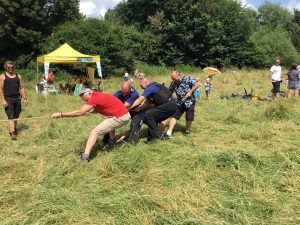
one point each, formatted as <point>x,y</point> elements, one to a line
<point>293,85</point>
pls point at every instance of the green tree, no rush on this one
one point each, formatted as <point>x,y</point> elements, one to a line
<point>271,43</point>
<point>273,15</point>
<point>99,37</point>
<point>192,32</point>
<point>24,24</point>
<point>294,29</point>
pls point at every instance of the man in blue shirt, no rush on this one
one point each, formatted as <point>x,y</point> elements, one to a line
<point>164,105</point>
<point>184,87</point>
<point>127,95</point>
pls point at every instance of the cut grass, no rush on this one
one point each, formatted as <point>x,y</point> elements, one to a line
<point>239,165</point>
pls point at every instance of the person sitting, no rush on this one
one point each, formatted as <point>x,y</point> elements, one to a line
<point>50,78</point>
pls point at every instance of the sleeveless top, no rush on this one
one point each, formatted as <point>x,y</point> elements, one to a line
<point>11,86</point>
<point>160,97</point>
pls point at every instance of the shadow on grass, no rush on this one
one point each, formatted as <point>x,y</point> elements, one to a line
<point>21,127</point>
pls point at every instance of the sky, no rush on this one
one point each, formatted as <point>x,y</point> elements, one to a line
<point>97,8</point>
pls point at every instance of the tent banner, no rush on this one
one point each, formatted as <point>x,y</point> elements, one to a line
<point>46,69</point>
<point>99,69</point>
<point>85,59</point>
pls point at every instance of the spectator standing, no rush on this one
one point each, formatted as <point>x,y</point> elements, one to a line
<point>11,92</point>
<point>275,77</point>
<point>293,77</point>
<point>126,76</point>
<point>184,86</point>
<point>104,104</point>
<point>207,86</point>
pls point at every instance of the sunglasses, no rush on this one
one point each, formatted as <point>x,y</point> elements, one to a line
<point>277,62</point>
<point>10,67</point>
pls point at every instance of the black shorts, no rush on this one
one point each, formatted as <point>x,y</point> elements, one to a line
<point>276,86</point>
<point>189,113</point>
<point>13,109</point>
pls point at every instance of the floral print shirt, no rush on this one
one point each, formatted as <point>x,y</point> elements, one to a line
<point>181,89</point>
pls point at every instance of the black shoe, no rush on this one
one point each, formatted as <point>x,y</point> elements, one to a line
<point>111,144</point>
<point>165,136</point>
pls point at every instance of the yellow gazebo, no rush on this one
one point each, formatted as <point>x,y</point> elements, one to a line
<point>65,54</point>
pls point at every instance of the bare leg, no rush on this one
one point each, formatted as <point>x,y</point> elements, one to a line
<point>163,125</point>
<point>290,93</point>
<point>11,125</point>
<point>172,124</point>
<point>91,142</point>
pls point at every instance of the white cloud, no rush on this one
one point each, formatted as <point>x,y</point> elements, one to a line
<point>95,8</point>
<point>293,4</point>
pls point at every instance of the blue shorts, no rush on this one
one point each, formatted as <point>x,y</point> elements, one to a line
<point>293,85</point>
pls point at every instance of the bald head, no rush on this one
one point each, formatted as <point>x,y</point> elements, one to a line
<point>125,88</point>
<point>144,83</point>
<point>175,76</point>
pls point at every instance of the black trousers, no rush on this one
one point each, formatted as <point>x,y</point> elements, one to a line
<point>159,113</point>
<point>135,126</point>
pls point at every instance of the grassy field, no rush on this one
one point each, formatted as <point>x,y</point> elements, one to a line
<point>240,165</point>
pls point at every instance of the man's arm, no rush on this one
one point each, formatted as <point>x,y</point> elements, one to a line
<point>172,87</point>
<point>270,75</point>
<point>22,90</point>
<point>145,105</point>
<point>137,102</point>
<point>194,88</point>
<point>4,103</point>
<point>127,105</point>
<point>80,112</point>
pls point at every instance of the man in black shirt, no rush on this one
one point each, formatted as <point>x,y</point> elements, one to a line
<point>11,92</point>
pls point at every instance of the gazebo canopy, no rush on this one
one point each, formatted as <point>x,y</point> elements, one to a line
<point>66,54</point>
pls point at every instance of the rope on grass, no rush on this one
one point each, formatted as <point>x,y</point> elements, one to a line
<point>30,118</point>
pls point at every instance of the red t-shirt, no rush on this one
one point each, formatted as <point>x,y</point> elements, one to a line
<point>50,76</point>
<point>107,104</point>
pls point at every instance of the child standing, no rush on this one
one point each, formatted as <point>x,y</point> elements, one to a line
<point>207,86</point>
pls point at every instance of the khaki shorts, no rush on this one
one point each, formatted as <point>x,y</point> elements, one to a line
<point>112,124</point>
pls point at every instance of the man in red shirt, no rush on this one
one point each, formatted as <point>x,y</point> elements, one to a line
<point>104,104</point>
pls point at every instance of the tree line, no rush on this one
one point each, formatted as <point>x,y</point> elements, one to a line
<point>198,33</point>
